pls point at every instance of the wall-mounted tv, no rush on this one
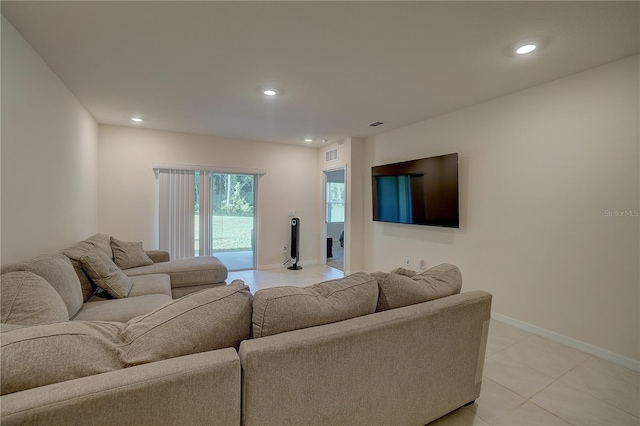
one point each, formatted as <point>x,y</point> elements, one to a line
<point>419,192</point>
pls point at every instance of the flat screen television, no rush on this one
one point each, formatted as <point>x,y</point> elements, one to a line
<point>419,192</point>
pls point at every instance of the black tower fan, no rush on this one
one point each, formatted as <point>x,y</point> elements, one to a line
<point>295,243</point>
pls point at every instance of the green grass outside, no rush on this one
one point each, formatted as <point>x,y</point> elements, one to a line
<point>230,233</point>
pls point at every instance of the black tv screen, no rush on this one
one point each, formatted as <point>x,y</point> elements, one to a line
<point>419,192</point>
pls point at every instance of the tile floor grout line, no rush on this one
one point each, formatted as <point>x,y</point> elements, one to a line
<point>553,414</point>
<point>595,397</point>
<point>587,393</point>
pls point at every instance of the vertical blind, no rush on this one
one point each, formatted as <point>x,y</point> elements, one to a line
<point>177,211</point>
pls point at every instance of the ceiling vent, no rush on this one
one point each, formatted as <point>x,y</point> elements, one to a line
<point>331,155</point>
<point>376,124</point>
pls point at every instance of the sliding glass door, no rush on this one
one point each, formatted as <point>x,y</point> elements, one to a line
<point>225,211</point>
<point>208,213</point>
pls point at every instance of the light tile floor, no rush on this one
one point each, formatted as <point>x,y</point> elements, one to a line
<point>528,380</point>
<point>257,279</point>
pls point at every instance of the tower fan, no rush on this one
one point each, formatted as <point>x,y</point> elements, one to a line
<point>295,243</point>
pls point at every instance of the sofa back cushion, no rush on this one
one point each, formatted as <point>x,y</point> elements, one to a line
<point>27,299</point>
<point>398,290</point>
<point>210,319</point>
<point>10,327</point>
<point>44,354</point>
<point>57,270</point>
<point>103,242</point>
<point>280,309</point>
<point>204,321</point>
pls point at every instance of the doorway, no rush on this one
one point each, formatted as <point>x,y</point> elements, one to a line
<point>335,209</point>
<point>231,203</point>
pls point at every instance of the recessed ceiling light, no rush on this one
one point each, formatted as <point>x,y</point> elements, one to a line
<point>269,92</point>
<point>308,140</point>
<point>527,48</point>
<point>136,119</point>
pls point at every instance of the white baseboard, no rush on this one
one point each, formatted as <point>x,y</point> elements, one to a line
<point>280,265</point>
<point>571,342</point>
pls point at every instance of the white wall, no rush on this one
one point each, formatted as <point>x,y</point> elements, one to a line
<point>356,179</point>
<point>49,157</point>
<point>128,188</point>
<point>539,169</point>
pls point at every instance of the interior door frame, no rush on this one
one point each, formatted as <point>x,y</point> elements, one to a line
<point>323,239</point>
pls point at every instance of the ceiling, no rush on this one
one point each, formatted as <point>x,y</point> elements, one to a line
<point>199,67</point>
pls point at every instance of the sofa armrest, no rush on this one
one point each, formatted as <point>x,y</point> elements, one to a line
<point>158,255</point>
<point>184,390</point>
<point>409,365</point>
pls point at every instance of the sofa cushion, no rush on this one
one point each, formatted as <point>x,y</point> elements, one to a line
<point>204,321</point>
<point>27,299</point>
<point>105,274</point>
<point>158,256</point>
<point>179,292</point>
<point>129,254</point>
<point>406,272</point>
<point>186,272</point>
<point>9,327</point>
<point>210,319</point>
<point>400,290</point>
<point>57,270</point>
<point>52,353</point>
<point>150,284</point>
<point>280,309</point>
<point>120,310</point>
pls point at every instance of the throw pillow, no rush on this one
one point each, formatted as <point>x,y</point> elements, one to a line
<point>105,274</point>
<point>398,290</point>
<point>129,254</point>
<point>280,309</point>
<point>28,299</point>
<point>210,319</point>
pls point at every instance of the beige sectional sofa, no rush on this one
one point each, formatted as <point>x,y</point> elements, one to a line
<point>138,289</point>
<point>383,348</point>
<point>187,275</point>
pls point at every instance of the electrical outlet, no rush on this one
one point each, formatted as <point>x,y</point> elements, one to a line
<point>407,262</point>
<point>421,265</point>
<point>284,247</point>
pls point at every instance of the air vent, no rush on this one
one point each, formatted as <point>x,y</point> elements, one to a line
<point>376,124</point>
<point>331,155</point>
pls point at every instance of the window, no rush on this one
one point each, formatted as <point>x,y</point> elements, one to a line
<point>335,202</point>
